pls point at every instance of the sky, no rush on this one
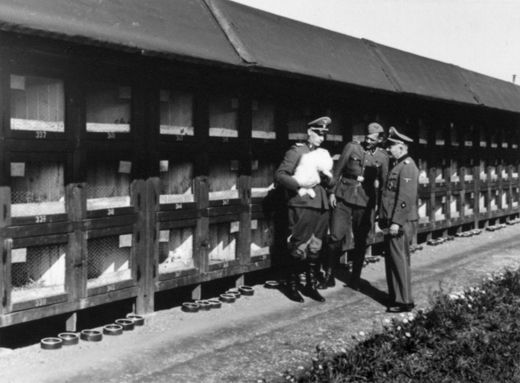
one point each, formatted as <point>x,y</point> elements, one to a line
<point>480,35</point>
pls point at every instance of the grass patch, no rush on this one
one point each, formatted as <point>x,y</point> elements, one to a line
<point>471,336</point>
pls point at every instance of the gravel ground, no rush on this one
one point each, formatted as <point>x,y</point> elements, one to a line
<point>259,337</point>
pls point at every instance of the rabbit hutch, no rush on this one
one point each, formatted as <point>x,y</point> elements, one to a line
<point>138,156</point>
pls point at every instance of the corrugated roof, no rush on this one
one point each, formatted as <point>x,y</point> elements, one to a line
<point>275,42</point>
<point>231,33</point>
<point>423,76</point>
<point>493,92</point>
<point>180,27</point>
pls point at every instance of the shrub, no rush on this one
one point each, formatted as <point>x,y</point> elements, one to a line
<point>472,336</point>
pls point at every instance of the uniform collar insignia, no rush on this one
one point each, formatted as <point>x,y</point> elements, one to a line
<point>403,158</point>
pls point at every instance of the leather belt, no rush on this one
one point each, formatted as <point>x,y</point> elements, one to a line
<point>352,177</point>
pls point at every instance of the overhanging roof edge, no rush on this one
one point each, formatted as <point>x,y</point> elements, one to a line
<point>229,32</point>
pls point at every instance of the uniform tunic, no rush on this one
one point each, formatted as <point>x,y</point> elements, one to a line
<point>308,217</point>
<point>355,161</point>
<point>358,176</point>
<point>399,206</point>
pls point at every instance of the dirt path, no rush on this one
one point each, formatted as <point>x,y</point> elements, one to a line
<point>260,336</point>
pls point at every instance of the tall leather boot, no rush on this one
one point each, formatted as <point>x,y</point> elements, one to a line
<point>292,288</point>
<point>311,284</point>
<point>333,252</point>
<point>328,280</point>
<point>357,266</point>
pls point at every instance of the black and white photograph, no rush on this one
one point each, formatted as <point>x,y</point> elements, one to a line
<point>259,191</point>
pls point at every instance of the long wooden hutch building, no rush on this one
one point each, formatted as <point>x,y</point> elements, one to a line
<point>138,140</point>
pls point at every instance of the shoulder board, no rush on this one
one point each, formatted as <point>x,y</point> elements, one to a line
<point>406,161</point>
<point>299,144</point>
<point>356,142</point>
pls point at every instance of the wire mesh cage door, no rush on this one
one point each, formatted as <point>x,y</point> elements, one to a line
<point>483,200</point>
<point>108,183</point>
<point>223,238</point>
<point>37,271</point>
<point>176,249</point>
<point>176,109</point>
<point>108,109</point>
<point>297,119</point>
<point>223,116</point>
<point>261,237</point>
<point>440,208</point>
<point>109,259</point>
<point>455,206</point>
<point>223,179</point>
<point>37,188</point>
<point>423,210</point>
<point>469,204</point>
<point>262,177</point>
<point>263,114</point>
<point>176,177</point>
<point>37,104</point>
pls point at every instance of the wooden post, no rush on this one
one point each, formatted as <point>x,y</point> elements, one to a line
<point>431,212</point>
<point>500,205</point>
<point>71,323</point>
<point>244,238</point>
<point>145,200</point>
<point>201,239</point>
<point>510,189</point>
<point>462,200</point>
<point>76,261</point>
<point>449,194</point>
<point>5,274</point>
<point>239,280</point>
<point>488,192</point>
<point>5,250</point>
<point>196,292</point>
<point>476,193</point>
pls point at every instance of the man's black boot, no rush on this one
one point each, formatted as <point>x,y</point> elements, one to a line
<point>328,281</point>
<point>292,289</point>
<point>310,287</point>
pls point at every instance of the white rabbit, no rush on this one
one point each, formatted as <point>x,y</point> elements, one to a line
<point>307,173</point>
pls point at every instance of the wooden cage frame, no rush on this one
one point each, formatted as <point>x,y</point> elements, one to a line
<point>146,146</point>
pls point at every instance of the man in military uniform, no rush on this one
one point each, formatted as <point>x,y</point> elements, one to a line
<point>308,216</point>
<point>398,215</point>
<point>358,177</point>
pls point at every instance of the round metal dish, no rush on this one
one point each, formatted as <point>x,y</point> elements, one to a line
<point>91,335</point>
<point>112,329</point>
<point>127,324</point>
<point>69,338</point>
<point>138,320</point>
<point>51,343</point>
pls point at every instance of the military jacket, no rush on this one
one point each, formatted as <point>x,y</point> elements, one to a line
<point>399,199</point>
<point>283,177</point>
<point>360,174</point>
